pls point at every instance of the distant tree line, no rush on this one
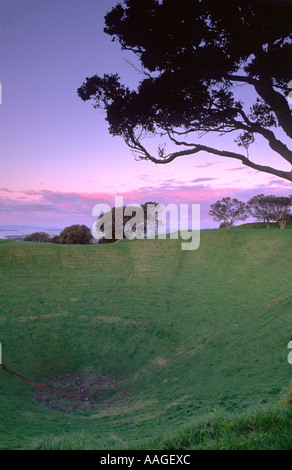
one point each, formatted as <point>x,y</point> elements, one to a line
<point>82,235</point>
<point>267,209</point>
<point>74,234</point>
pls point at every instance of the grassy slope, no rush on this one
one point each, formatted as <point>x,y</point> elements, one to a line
<point>202,335</point>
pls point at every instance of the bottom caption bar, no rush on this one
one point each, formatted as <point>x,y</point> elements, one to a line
<point>132,458</point>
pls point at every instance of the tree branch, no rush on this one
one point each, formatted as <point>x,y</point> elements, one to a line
<point>241,78</point>
<point>136,145</point>
<point>278,103</point>
<point>274,143</point>
<point>275,100</point>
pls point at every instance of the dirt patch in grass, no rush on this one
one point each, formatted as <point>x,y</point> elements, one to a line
<point>160,361</point>
<point>83,392</point>
<point>116,319</point>
<point>47,316</point>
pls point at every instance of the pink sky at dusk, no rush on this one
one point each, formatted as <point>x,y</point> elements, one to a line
<point>57,158</point>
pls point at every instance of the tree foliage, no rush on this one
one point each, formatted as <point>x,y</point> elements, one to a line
<point>195,57</point>
<point>37,237</point>
<point>280,207</point>
<point>55,239</point>
<point>228,211</point>
<point>134,221</point>
<point>270,209</point>
<point>259,208</point>
<point>75,235</point>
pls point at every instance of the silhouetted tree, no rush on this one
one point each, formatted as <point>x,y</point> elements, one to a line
<point>229,211</point>
<point>195,56</point>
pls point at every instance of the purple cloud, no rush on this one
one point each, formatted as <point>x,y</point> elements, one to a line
<point>7,190</point>
<point>200,180</point>
<point>65,208</point>
<point>238,168</point>
<point>205,165</point>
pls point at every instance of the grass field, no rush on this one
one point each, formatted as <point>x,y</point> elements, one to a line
<point>198,340</point>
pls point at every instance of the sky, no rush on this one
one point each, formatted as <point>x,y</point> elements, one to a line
<point>57,158</point>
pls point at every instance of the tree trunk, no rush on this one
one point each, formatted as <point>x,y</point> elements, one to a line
<point>282,223</point>
<point>268,225</point>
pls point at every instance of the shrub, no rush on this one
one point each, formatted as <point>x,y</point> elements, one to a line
<point>55,239</point>
<point>76,235</point>
<point>37,237</point>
